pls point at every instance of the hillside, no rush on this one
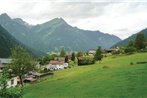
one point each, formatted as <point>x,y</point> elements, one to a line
<point>7,42</point>
<point>118,80</point>
<point>16,29</point>
<point>125,42</point>
<point>56,34</point>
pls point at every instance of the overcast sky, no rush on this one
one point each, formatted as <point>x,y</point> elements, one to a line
<point>119,17</point>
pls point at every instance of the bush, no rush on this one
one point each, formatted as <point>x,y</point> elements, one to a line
<point>105,67</point>
<point>86,60</point>
<point>143,50</point>
<point>44,70</point>
<point>71,63</point>
<point>131,63</point>
<point>143,62</point>
<point>117,52</point>
<point>10,94</point>
<point>130,50</point>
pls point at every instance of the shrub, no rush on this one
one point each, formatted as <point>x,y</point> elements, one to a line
<point>71,64</point>
<point>143,50</point>
<point>117,52</point>
<point>44,70</point>
<point>131,63</point>
<point>143,62</point>
<point>86,60</point>
<point>105,67</point>
<point>130,50</point>
<point>10,94</point>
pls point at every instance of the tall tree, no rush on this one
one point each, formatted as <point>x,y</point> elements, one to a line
<point>21,63</point>
<point>79,54</point>
<point>62,53</point>
<point>98,56</point>
<point>139,41</point>
<point>66,59</point>
<point>73,56</point>
<point>131,43</point>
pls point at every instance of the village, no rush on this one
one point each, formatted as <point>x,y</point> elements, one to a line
<point>68,60</point>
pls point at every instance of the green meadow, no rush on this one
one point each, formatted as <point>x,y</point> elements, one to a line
<point>114,77</point>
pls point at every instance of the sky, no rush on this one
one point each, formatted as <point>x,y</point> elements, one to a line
<point>118,17</point>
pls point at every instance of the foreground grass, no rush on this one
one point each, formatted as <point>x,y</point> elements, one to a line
<point>118,80</point>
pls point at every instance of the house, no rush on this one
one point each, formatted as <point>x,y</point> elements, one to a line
<point>55,62</point>
<point>91,52</point>
<point>111,50</point>
<point>29,80</point>
<point>65,65</point>
<point>59,59</point>
<point>69,54</point>
<point>3,62</point>
<point>13,82</point>
<point>56,65</point>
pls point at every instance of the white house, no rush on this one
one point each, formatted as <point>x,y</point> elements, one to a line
<point>5,61</point>
<point>92,52</point>
<point>65,65</point>
<point>56,65</point>
<point>13,82</point>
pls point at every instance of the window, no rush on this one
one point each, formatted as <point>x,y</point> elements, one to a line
<point>12,81</point>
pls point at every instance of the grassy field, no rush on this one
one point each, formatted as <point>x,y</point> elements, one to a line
<point>119,79</point>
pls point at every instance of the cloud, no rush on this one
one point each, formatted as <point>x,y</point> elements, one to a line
<point>121,18</point>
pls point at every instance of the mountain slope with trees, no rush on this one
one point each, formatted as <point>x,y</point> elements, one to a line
<point>7,42</point>
<point>132,38</point>
<point>55,35</point>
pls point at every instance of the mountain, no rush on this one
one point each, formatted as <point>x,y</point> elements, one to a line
<point>7,42</point>
<point>16,29</point>
<point>125,41</point>
<point>56,34</point>
<point>20,21</point>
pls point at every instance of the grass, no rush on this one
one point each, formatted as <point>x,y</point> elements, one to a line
<point>118,79</point>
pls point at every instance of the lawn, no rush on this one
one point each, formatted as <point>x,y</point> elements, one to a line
<point>118,79</point>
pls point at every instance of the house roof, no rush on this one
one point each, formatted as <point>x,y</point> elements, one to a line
<point>5,61</point>
<point>113,49</point>
<point>59,58</point>
<point>92,50</point>
<point>55,62</point>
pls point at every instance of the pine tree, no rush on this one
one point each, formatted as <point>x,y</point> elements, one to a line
<point>139,41</point>
<point>98,56</point>
<point>62,53</point>
<point>73,56</point>
<point>79,54</point>
<point>66,59</point>
<point>131,43</point>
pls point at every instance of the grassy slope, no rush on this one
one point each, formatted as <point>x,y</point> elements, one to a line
<point>119,80</point>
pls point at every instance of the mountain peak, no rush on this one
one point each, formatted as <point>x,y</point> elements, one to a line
<point>55,22</point>
<point>58,20</point>
<point>20,21</point>
<point>5,16</point>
